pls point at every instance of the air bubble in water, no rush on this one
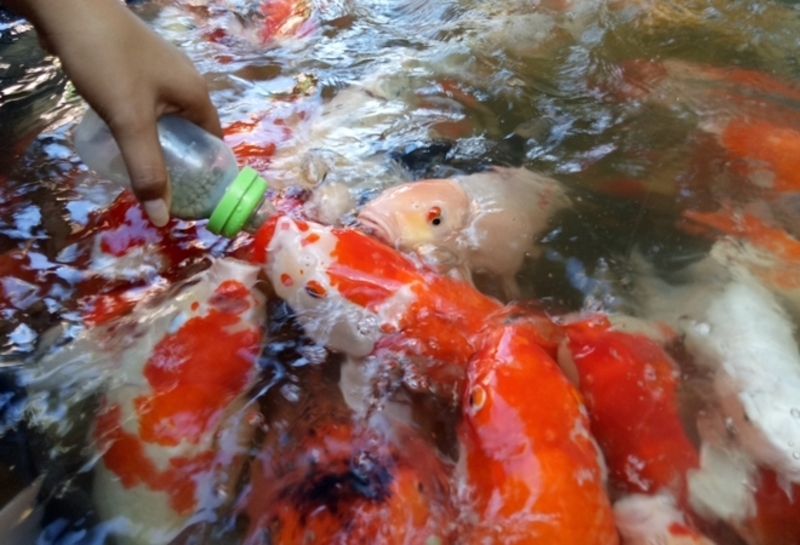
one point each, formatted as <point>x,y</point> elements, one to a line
<point>291,392</point>
<point>796,455</point>
<point>795,412</point>
<point>366,326</point>
<point>702,328</point>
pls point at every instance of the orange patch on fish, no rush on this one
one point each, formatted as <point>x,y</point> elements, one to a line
<point>750,228</point>
<point>310,239</point>
<point>765,148</point>
<point>125,457</point>
<point>286,280</point>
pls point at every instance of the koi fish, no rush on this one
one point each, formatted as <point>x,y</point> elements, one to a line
<point>344,481</point>
<point>354,294</point>
<point>170,432</point>
<point>629,383</point>
<point>485,222</point>
<point>757,126</point>
<point>736,330</point>
<point>532,469</point>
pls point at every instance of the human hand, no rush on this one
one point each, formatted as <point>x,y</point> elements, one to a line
<point>130,76</point>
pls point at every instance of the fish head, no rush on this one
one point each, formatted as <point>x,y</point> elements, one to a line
<point>333,279</point>
<point>409,216</point>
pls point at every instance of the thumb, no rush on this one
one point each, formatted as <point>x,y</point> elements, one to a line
<point>138,142</point>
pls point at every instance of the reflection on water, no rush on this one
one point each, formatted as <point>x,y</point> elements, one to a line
<point>670,124</point>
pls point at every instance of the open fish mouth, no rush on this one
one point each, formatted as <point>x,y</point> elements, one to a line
<point>375,225</point>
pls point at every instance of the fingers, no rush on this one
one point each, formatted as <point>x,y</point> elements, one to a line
<point>202,112</point>
<point>137,137</point>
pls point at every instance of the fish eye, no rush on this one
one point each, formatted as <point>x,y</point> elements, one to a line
<point>477,398</point>
<point>435,215</point>
<point>315,289</point>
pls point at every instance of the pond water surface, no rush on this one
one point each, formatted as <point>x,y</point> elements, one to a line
<point>632,105</point>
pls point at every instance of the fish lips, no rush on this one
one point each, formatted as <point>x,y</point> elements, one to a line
<point>377,226</point>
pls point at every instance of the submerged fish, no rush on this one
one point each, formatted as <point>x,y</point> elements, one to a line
<point>485,222</point>
<point>357,295</point>
<point>737,331</point>
<point>752,115</point>
<point>630,386</point>
<point>533,471</point>
<point>341,480</point>
<point>170,431</point>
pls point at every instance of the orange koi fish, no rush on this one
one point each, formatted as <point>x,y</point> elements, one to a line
<point>758,125</point>
<point>533,471</point>
<point>340,482</point>
<point>170,432</point>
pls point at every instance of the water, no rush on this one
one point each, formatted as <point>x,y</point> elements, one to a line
<point>373,94</point>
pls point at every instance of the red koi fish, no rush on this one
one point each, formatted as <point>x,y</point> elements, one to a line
<point>340,482</point>
<point>532,469</point>
<point>629,383</point>
<point>170,432</point>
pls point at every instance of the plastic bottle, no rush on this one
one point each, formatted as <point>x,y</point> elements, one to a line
<point>205,179</point>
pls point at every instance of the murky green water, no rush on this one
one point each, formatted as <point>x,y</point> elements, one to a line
<point>382,92</point>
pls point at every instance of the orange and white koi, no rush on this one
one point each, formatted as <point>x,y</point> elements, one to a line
<point>170,430</point>
<point>532,469</point>
<point>354,294</point>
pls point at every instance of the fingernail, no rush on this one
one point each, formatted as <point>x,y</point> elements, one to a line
<point>157,211</point>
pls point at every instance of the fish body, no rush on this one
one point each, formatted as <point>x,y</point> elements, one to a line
<point>533,472</point>
<point>484,222</point>
<point>736,330</point>
<point>752,115</point>
<point>629,383</point>
<point>343,480</point>
<point>171,432</point>
<point>356,295</point>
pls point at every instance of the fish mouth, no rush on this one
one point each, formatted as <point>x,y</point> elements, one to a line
<point>375,225</point>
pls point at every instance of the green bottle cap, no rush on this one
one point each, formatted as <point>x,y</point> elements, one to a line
<point>238,203</point>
